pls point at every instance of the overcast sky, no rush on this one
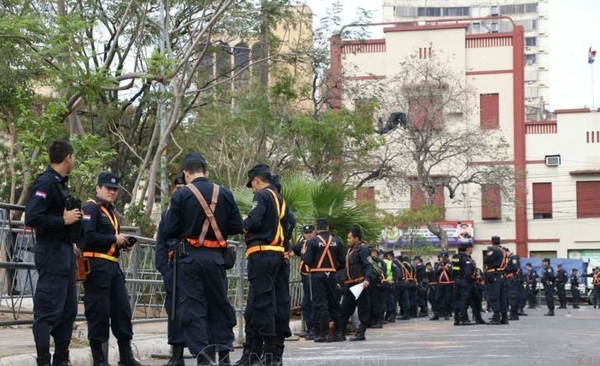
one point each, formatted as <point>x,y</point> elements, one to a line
<point>574,27</point>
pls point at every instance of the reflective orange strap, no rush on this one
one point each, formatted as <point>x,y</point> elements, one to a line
<point>115,223</point>
<point>209,212</point>
<point>264,248</point>
<point>281,208</point>
<point>354,280</point>
<point>326,252</point>
<point>100,255</point>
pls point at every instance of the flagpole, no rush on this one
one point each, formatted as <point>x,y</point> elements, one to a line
<point>593,91</point>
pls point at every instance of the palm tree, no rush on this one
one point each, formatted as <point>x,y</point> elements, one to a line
<point>310,198</point>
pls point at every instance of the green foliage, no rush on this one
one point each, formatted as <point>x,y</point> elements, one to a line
<point>310,198</point>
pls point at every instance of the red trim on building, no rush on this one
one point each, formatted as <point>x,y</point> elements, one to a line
<point>361,42</point>
<point>489,72</point>
<point>550,240</point>
<point>521,234</point>
<point>366,77</point>
<point>541,128</point>
<point>426,27</point>
<point>572,110</point>
<point>477,163</point>
<point>487,42</point>
<point>585,172</point>
<point>367,46</point>
<point>489,35</point>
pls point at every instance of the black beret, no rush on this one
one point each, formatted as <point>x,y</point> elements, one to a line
<point>260,169</point>
<point>308,228</point>
<point>495,240</point>
<point>108,179</point>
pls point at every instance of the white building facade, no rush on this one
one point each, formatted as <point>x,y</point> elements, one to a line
<point>533,16</point>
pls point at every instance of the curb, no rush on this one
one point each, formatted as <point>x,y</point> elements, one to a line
<point>142,350</point>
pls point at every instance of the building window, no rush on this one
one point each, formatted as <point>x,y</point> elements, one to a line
<point>530,59</point>
<point>531,75</point>
<point>542,200</point>
<point>530,41</point>
<point>588,199</point>
<point>365,194</point>
<point>491,202</point>
<point>531,93</point>
<point>489,111</point>
<point>406,11</point>
<point>430,12</point>
<point>458,11</point>
<point>417,199</point>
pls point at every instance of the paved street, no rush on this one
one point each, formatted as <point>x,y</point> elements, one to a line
<point>570,338</point>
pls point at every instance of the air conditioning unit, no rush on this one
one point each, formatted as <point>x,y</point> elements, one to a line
<point>552,160</point>
<point>528,48</point>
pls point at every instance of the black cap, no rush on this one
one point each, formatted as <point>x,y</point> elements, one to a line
<point>380,252</point>
<point>260,169</point>
<point>495,240</point>
<point>443,254</point>
<point>546,260</point>
<point>322,222</point>
<point>574,270</point>
<point>559,265</point>
<point>417,257</point>
<point>463,246</point>
<point>528,264</point>
<point>308,228</point>
<point>108,179</point>
<point>178,179</point>
<point>193,157</point>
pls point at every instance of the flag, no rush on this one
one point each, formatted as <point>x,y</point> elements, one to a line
<point>591,56</point>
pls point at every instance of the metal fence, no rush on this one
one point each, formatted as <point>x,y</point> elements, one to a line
<point>18,276</point>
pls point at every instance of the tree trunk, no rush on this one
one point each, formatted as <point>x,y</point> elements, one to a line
<point>440,233</point>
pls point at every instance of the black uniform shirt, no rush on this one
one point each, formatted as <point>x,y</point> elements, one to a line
<point>494,258</point>
<point>467,268</point>
<point>315,249</point>
<point>531,279</point>
<point>574,280</point>
<point>99,232</point>
<point>185,216</point>
<point>46,204</point>
<point>262,221</point>
<point>561,276</point>
<point>358,263</point>
<point>548,277</point>
<point>163,246</point>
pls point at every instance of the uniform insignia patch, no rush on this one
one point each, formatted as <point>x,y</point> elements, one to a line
<point>41,194</point>
<point>87,217</point>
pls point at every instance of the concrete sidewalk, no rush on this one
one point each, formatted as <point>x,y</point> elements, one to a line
<point>17,347</point>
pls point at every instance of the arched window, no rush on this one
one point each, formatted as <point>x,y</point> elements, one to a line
<point>256,65</point>
<point>223,60</point>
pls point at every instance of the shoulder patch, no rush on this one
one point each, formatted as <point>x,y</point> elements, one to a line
<point>86,217</point>
<point>41,194</point>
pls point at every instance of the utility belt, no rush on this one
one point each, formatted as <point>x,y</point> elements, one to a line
<point>446,283</point>
<point>494,270</point>
<point>354,280</point>
<point>264,248</point>
<point>511,276</point>
<point>100,255</point>
<point>206,243</point>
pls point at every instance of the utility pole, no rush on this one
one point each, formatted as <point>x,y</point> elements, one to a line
<point>264,46</point>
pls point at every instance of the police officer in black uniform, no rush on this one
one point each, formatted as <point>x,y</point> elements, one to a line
<point>55,215</point>
<point>106,301</point>
<point>477,294</point>
<point>325,256</point>
<point>308,231</point>
<point>574,281</point>
<point>421,286</point>
<point>163,252</point>
<point>444,279</point>
<point>204,311</point>
<point>531,280</point>
<point>561,281</point>
<point>358,270</point>
<point>403,287</point>
<point>463,269</point>
<point>514,286</point>
<point>374,289</point>
<point>265,228</point>
<point>495,262</point>
<point>548,280</point>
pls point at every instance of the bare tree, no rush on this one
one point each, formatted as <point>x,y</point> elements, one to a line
<point>440,137</point>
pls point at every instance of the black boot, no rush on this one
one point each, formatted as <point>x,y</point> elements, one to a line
<point>435,317</point>
<point>245,359</point>
<point>504,318</point>
<point>43,356</point>
<point>269,355</point>
<point>521,312</point>
<point>456,319</point>
<point>550,312</point>
<point>360,335</point>
<point>176,356</point>
<point>207,357</point>
<point>224,358</point>
<point>61,354</point>
<point>98,353</point>
<point>513,315</point>
<point>495,320</point>
<point>279,347</point>
<point>479,320</point>
<point>322,335</point>
<point>126,353</point>
<point>257,348</point>
<point>311,333</point>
